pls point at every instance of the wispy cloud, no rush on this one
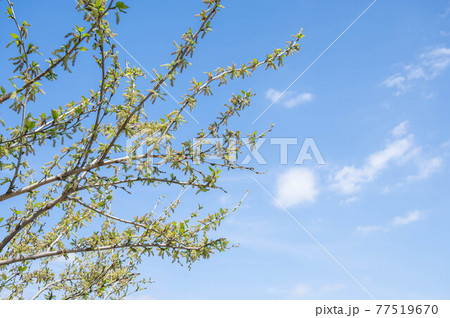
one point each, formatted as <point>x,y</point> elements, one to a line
<point>402,149</point>
<point>446,13</point>
<point>411,217</point>
<point>366,229</point>
<point>289,99</point>
<point>397,81</point>
<point>349,179</point>
<point>426,168</point>
<point>349,200</point>
<point>401,130</point>
<point>64,260</point>
<point>430,64</point>
<point>302,290</point>
<point>225,199</point>
<point>295,186</point>
<point>332,287</point>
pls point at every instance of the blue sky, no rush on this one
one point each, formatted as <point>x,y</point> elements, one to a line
<point>376,103</point>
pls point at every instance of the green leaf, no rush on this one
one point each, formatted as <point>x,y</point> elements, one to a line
<point>29,124</point>
<point>120,5</point>
<point>182,228</point>
<point>22,268</point>
<point>83,49</point>
<point>14,36</point>
<point>54,114</point>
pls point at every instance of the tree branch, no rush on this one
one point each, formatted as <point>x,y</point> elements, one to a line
<point>99,249</point>
<point>43,289</point>
<point>59,61</point>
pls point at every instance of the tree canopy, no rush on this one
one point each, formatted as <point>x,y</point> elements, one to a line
<point>62,208</point>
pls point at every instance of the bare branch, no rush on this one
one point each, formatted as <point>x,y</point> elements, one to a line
<point>43,289</point>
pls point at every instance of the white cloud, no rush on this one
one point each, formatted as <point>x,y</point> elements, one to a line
<point>332,287</point>
<point>349,200</point>
<point>446,12</point>
<point>397,81</point>
<point>429,65</point>
<point>401,130</point>
<point>300,290</point>
<point>289,99</point>
<point>410,218</point>
<point>298,100</point>
<point>435,62</point>
<point>349,179</point>
<point>426,168</point>
<point>273,95</point>
<point>62,260</point>
<point>225,199</point>
<point>366,229</point>
<point>296,186</point>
